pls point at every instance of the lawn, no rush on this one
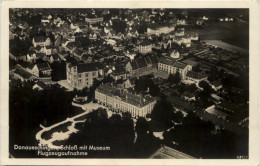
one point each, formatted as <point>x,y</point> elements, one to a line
<point>61,128</point>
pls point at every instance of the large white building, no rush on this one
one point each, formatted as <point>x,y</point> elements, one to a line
<point>122,101</point>
<point>171,66</point>
<point>83,74</point>
<point>159,29</point>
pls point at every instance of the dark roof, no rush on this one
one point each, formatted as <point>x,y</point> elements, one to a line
<point>86,67</point>
<point>41,84</point>
<point>134,65</point>
<point>145,43</point>
<point>26,65</point>
<point>180,103</point>
<point>43,66</point>
<point>38,48</point>
<point>196,75</point>
<point>55,56</point>
<point>23,73</point>
<point>119,70</point>
<point>167,61</point>
<point>216,83</point>
<point>141,62</point>
<point>40,55</point>
<point>39,39</point>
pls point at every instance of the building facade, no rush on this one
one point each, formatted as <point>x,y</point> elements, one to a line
<point>83,75</point>
<point>94,20</point>
<point>122,101</point>
<point>157,30</point>
<point>171,66</point>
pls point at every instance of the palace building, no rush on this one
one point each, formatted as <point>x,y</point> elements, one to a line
<point>122,101</point>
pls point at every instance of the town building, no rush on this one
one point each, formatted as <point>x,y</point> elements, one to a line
<point>41,41</point>
<point>123,101</point>
<point>159,29</point>
<point>94,20</point>
<point>171,66</point>
<point>23,75</point>
<point>145,47</point>
<point>143,64</point>
<point>80,75</point>
<point>196,77</point>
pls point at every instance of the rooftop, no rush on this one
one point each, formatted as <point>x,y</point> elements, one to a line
<point>166,152</point>
<point>133,99</point>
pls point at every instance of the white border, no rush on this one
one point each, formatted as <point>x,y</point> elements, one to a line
<point>254,79</point>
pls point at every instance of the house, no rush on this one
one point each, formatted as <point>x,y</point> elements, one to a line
<point>39,86</point>
<point>41,41</point>
<point>216,85</point>
<point>189,96</point>
<point>179,32</point>
<point>54,58</point>
<point>41,69</point>
<point>119,73</point>
<point>31,56</point>
<point>48,50</point>
<point>93,36</point>
<point>145,47</point>
<point>196,77</point>
<point>129,83</point>
<point>80,75</point>
<point>130,54</point>
<point>140,65</point>
<point>23,75</point>
<point>39,49</point>
<point>86,58</point>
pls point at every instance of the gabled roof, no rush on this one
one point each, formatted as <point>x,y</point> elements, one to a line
<point>141,62</point>
<point>23,73</point>
<point>43,66</point>
<point>41,85</point>
<point>55,56</point>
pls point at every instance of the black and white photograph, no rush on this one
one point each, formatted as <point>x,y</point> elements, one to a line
<point>128,83</point>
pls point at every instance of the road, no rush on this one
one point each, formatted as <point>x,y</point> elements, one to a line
<point>57,136</point>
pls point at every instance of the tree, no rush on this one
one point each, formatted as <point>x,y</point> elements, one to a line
<point>177,78</point>
<point>207,89</point>
<point>163,113</point>
<point>171,78</point>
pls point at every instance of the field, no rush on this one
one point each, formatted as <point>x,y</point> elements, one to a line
<point>235,33</point>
